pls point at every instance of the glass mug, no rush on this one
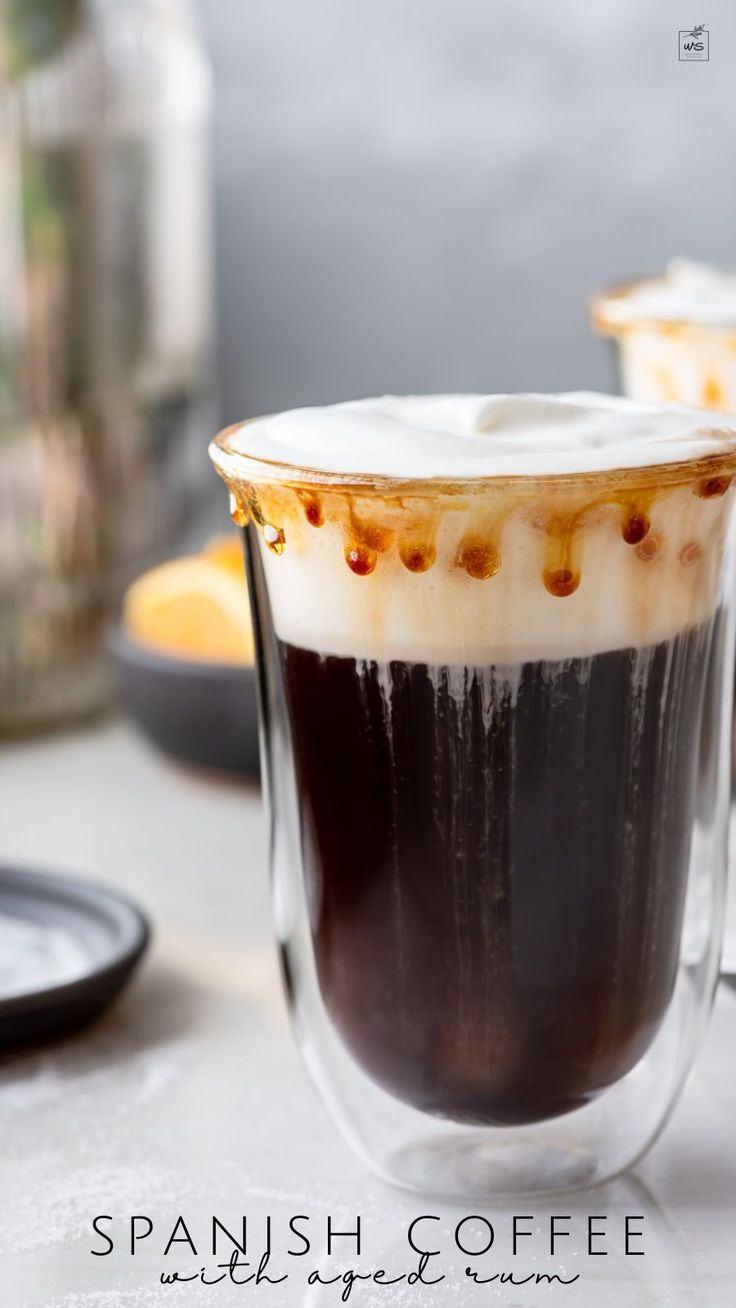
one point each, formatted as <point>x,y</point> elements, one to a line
<point>686,359</point>
<point>681,351</point>
<point>498,800</point>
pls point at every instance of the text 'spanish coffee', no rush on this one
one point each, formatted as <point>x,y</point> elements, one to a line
<point>491,636</point>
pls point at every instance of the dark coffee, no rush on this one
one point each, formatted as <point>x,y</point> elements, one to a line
<point>496,866</point>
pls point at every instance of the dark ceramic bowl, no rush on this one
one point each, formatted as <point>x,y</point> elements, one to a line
<point>205,714</point>
<point>110,933</point>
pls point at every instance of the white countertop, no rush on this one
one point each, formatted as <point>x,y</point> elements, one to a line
<point>189,1097</point>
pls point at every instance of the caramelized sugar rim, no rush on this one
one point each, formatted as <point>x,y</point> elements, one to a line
<point>606,326</point>
<point>560,505</point>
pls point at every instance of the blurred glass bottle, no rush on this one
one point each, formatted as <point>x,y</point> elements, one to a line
<point>105,323</point>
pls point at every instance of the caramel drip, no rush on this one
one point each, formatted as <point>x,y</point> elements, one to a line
<point>263,510</point>
<point>479,557</point>
<point>274,538</point>
<point>360,560</point>
<point>313,511</point>
<point>371,526</point>
<point>561,581</point>
<point>254,505</point>
<point>711,487</point>
<point>238,511</point>
<point>479,552</point>
<point>417,556</point>
<point>364,541</point>
<point>417,542</point>
<point>635,522</point>
<point>561,572</point>
<point>372,535</point>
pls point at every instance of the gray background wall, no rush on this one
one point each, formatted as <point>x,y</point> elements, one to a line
<point>419,194</point>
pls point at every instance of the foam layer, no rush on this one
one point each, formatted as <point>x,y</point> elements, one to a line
<point>626,595</point>
<point>687,292</point>
<point>466,436</point>
<point>552,527</point>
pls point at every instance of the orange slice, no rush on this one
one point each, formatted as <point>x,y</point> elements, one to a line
<point>192,607</point>
<point>226,552</point>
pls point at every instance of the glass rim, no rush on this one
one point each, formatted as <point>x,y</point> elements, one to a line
<point>237,467</point>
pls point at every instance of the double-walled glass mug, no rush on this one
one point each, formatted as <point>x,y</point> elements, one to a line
<point>492,637</point>
<point>675,335</point>
<point>675,341</point>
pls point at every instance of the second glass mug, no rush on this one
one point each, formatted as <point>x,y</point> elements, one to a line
<point>688,360</point>
<point>498,829</point>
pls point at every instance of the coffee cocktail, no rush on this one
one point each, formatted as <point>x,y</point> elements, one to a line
<point>675,334</point>
<point>490,620</point>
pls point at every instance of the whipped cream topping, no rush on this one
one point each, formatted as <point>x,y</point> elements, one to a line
<point>468,436</point>
<point>687,291</point>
